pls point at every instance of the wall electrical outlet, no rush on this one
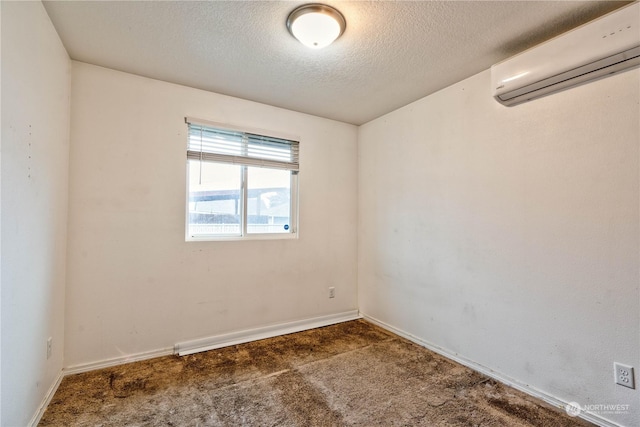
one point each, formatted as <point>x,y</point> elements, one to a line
<point>332,292</point>
<point>624,375</point>
<point>49,343</point>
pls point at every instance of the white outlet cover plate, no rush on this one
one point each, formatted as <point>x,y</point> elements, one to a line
<point>624,375</point>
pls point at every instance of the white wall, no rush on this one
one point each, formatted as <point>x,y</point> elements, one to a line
<point>509,236</point>
<point>134,284</point>
<point>35,154</point>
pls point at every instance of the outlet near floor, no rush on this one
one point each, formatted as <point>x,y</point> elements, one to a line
<point>49,343</point>
<point>332,292</point>
<point>624,375</point>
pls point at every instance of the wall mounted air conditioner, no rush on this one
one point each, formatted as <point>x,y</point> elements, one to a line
<point>607,45</point>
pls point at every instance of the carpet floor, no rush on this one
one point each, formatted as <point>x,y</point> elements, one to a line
<point>350,374</point>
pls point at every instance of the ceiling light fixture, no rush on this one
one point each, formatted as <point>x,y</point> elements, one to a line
<point>316,25</point>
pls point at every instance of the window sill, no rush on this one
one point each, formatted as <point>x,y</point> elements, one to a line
<point>274,236</point>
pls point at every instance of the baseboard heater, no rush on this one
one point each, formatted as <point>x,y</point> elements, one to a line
<point>260,333</point>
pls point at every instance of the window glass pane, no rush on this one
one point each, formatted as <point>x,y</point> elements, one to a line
<point>268,200</point>
<point>214,198</point>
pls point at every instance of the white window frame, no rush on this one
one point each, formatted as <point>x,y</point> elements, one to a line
<point>293,214</point>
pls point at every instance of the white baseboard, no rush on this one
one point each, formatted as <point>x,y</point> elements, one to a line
<point>35,420</point>
<point>241,337</point>
<point>218,341</point>
<point>532,391</point>
<point>107,363</point>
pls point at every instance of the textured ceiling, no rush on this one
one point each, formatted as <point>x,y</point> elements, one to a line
<point>391,53</point>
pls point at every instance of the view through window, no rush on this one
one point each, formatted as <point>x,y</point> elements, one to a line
<point>240,184</point>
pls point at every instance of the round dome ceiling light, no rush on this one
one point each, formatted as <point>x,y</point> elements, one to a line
<point>316,25</point>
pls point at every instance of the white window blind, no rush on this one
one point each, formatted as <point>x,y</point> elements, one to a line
<point>208,143</point>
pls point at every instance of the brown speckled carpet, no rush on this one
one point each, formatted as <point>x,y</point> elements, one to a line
<point>351,374</point>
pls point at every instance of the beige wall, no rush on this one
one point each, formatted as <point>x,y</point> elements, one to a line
<point>35,155</point>
<point>134,284</point>
<point>509,236</point>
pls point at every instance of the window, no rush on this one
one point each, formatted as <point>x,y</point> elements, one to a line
<point>240,184</point>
